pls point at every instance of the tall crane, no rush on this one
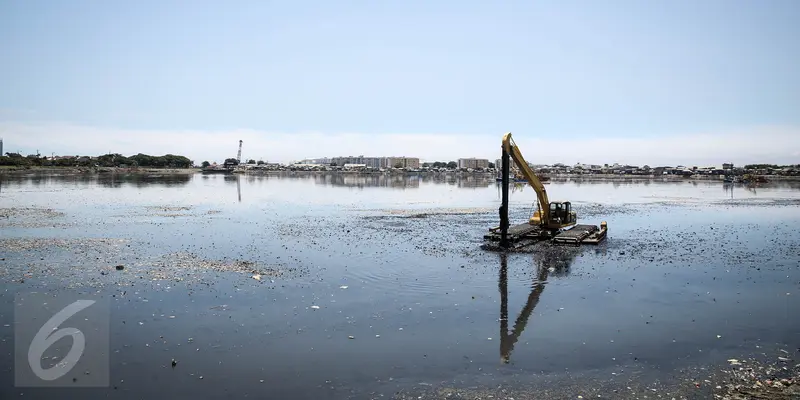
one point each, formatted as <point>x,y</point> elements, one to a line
<point>239,154</point>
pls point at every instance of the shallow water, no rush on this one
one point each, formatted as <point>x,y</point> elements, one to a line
<point>693,273</point>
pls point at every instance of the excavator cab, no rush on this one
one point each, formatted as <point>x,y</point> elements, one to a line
<point>561,215</point>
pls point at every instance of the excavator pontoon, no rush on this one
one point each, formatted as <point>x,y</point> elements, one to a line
<point>555,221</point>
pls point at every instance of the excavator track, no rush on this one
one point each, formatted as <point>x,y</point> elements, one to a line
<point>579,234</point>
<point>517,233</point>
<point>525,234</point>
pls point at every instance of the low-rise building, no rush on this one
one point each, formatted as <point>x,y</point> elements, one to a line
<point>319,161</point>
<point>402,162</point>
<point>355,166</point>
<point>473,163</point>
<point>371,162</point>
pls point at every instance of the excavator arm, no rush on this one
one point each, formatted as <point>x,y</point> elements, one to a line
<point>549,221</point>
<point>543,215</point>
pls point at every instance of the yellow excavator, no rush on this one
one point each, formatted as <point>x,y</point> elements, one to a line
<point>555,215</point>
<point>550,220</point>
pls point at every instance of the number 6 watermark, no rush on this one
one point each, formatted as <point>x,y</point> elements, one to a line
<point>44,339</point>
<point>61,340</point>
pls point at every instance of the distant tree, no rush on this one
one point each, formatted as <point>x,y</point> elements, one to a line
<point>175,161</point>
<point>426,165</point>
<point>760,166</point>
<point>231,161</point>
<point>251,161</point>
<point>113,160</point>
<point>398,165</point>
<point>206,164</point>
<point>491,165</point>
<point>65,162</point>
<point>452,165</point>
<point>34,159</point>
<point>260,162</point>
<point>6,160</point>
<point>144,160</point>
<point>84,161</point>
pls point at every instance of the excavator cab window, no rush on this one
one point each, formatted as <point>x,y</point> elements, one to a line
<point>556,212</point>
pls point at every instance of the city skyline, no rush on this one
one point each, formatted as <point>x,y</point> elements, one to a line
<point>381,162</point>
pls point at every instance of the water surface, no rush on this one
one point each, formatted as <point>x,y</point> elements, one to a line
<point>374,284</point>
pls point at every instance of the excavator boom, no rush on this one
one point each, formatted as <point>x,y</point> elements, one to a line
<point>541,194</point>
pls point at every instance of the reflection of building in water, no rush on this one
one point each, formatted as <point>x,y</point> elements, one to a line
<point>368,180</point>
<point>549,260</point>
<point>514,186</point>
<point>475,181</point>
<point>140,180</point>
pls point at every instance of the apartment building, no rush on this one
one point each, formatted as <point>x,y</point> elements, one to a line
<point>402,162</point>
<point>474,163</point>
<point>369,162</point>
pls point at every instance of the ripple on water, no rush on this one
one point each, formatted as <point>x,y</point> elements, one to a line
<point>414,280</point>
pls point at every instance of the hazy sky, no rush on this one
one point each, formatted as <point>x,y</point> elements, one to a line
<point>659,82</point>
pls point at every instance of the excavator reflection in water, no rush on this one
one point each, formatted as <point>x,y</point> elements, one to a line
<point>546,265</point>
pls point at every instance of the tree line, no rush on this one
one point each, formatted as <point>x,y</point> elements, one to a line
<point>769,166</point>
<point>106,160</point>
<point>440,164</point>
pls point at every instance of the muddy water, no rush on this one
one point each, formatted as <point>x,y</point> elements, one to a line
<point>370,286</point>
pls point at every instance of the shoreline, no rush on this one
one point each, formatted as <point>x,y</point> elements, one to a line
<point>21,171</point>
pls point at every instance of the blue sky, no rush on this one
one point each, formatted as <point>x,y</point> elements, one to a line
<point>382,77</point>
